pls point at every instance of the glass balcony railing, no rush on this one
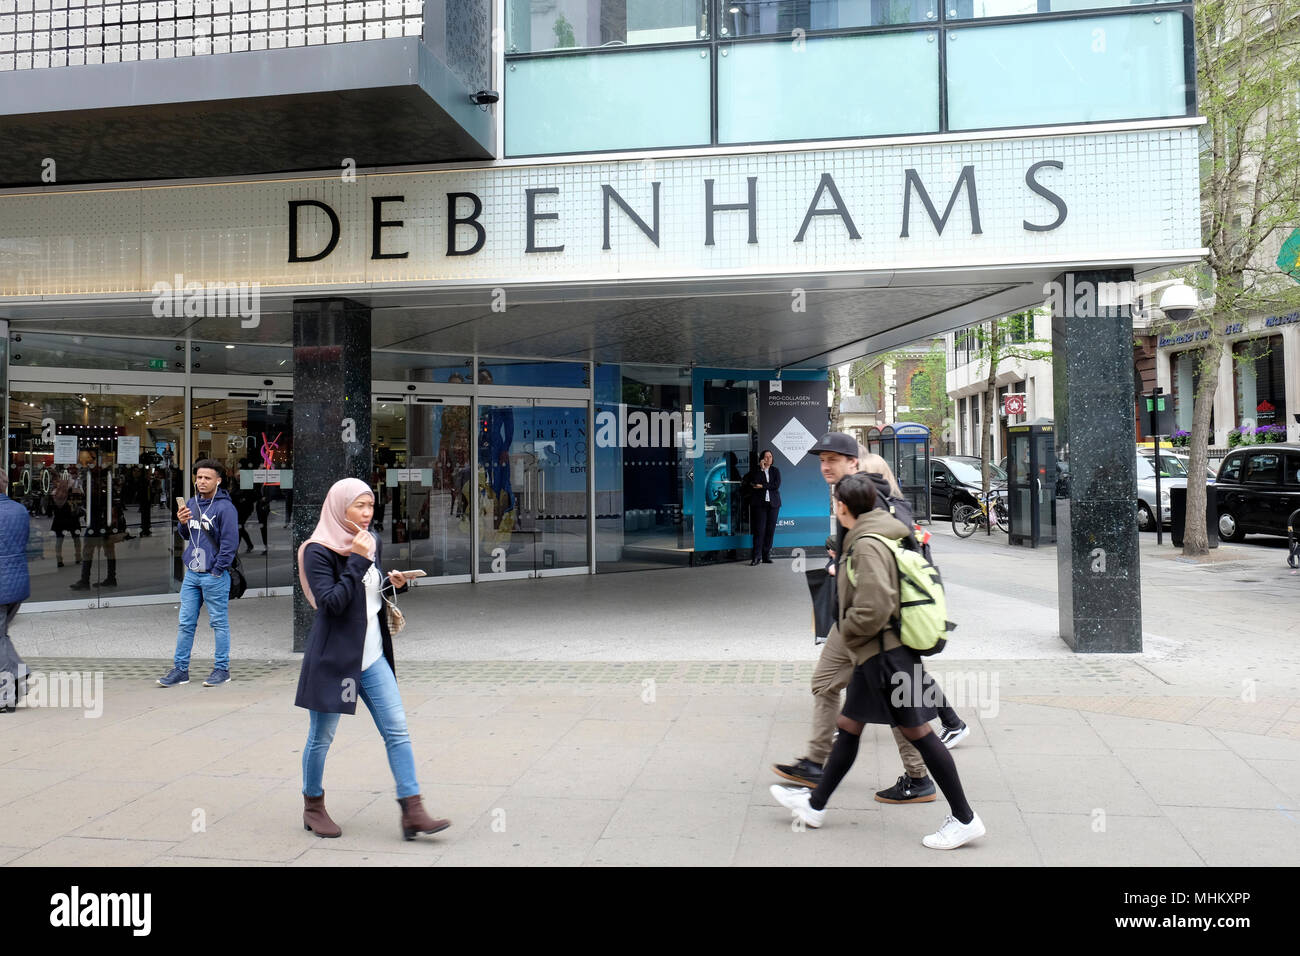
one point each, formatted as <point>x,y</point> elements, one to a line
<point>721,72</point>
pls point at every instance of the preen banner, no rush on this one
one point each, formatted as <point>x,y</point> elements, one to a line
<point>792,415</point>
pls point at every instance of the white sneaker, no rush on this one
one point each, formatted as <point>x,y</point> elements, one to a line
<point>954,833</point>
<point>795,799</point>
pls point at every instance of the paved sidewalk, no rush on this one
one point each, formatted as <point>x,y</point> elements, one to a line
<point>631,719</point>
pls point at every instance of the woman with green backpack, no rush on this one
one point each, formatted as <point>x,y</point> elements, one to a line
<point>888,684</point>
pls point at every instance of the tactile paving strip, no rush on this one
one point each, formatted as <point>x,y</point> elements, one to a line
<point>518,673</point>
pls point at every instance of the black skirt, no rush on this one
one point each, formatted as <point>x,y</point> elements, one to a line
<point>890,688</point>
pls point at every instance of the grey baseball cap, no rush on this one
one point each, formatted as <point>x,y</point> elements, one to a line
<point>837,442</point>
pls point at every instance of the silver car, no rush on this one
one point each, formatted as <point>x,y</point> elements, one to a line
<point>1146,488</point>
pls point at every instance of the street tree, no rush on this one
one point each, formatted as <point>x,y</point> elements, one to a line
<point>1246,52</point>
<point>1007,339</point>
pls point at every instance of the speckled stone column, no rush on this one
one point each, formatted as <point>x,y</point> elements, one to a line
<point>1098,574</point>
<point>331,417</point>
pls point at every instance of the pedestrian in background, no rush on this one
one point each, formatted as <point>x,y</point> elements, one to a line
<point>15,587</point>
<point>764,486</point>
<point>209,525</point>
<point>350,654</point>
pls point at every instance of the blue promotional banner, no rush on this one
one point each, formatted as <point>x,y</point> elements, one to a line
<point>792,415</point>
<point>746,411</point>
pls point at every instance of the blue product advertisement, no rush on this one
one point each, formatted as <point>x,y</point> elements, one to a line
<point>787,416</point>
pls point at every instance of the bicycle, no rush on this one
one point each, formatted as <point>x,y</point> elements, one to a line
<point>967,518</point>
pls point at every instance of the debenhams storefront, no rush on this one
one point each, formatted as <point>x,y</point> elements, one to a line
<point>559,366</point>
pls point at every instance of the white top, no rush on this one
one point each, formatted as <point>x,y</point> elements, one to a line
<point>374,648</point>
<point>767,495</point>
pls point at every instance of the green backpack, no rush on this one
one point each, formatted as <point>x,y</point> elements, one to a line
<point>922,617</point>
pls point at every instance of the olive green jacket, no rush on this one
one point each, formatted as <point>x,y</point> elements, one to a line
<point>869,590</point>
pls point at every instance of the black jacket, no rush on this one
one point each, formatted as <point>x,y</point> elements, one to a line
<point>338,634</point>
<point>755,476</point>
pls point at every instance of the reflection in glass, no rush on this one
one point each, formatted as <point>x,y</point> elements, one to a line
<point>98,493</point>
<point>533,27</point>
<point>583,102</point>
<point>643,484</point>
<point>535,372</point>
<point>253,441</point>
<point>422,485</point>
<point>968,9</point>
<point>1053,71</point>
<point>757,17</point>
<point>531,488</point>
<point>884,83</point>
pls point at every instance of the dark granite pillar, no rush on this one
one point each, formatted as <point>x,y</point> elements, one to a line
<point>1098,573</point>
<point>331,384</point>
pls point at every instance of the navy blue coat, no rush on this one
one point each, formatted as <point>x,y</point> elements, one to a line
<point>15,525</point>
<point>338,634</point>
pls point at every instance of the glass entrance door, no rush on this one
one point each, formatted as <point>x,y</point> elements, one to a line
<point>96,467</point>
<point>531,495</point>
<point>249,432</point>
<point>422,482</point>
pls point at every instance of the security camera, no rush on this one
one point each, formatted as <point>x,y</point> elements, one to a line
<point>484,97</point>
<point>1178,302</point>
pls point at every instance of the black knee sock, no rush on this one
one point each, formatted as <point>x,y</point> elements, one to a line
<point>940,764</point>
<point>843,752</point>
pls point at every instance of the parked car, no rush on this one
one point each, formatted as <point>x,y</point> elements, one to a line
<point>958,478</point>
<point>1146,488</point>
<point>1175,465</point>
<point>1257,489</point>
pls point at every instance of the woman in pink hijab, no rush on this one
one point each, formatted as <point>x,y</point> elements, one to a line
<point>350,653</point>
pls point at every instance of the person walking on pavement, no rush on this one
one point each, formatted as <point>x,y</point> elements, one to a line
<point>15,588</point>
<point>840,456</point>
<point>887,685</point>
<point>209,525</point>
<point>914,785</point>
<point>764,484</point>
<point>350,654</point>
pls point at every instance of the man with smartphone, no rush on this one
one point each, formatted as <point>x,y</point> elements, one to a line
<point>209,524</point>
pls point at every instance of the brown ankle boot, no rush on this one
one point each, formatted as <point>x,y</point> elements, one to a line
<point>315,819</point>
<point>415,819</point>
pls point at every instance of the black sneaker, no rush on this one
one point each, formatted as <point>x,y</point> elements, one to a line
<point>909,790</point>
<point>951,736</point>
<point>803,772</point>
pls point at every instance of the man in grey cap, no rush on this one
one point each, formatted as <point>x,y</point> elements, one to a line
<point>839,454</point>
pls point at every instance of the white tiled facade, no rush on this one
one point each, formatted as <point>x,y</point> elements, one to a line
<point>41,34</point>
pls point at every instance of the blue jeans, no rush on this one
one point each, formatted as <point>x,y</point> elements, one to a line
<point>379,692</point>
<point>214,591</point>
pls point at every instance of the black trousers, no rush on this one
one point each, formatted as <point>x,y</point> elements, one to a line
<point>762,519</point>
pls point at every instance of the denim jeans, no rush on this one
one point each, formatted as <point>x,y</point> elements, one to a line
<point>379,693</point>
<point>214,591</point>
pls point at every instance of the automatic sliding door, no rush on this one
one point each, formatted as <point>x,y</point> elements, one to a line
<point>422,482</point>
<point>249,432</point>
<point>96,468</point>
<point>532,497</point>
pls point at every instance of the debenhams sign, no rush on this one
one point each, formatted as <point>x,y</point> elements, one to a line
<point>1048,199</point>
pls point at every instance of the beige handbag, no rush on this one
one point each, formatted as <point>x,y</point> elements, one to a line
<point>393,614</point>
